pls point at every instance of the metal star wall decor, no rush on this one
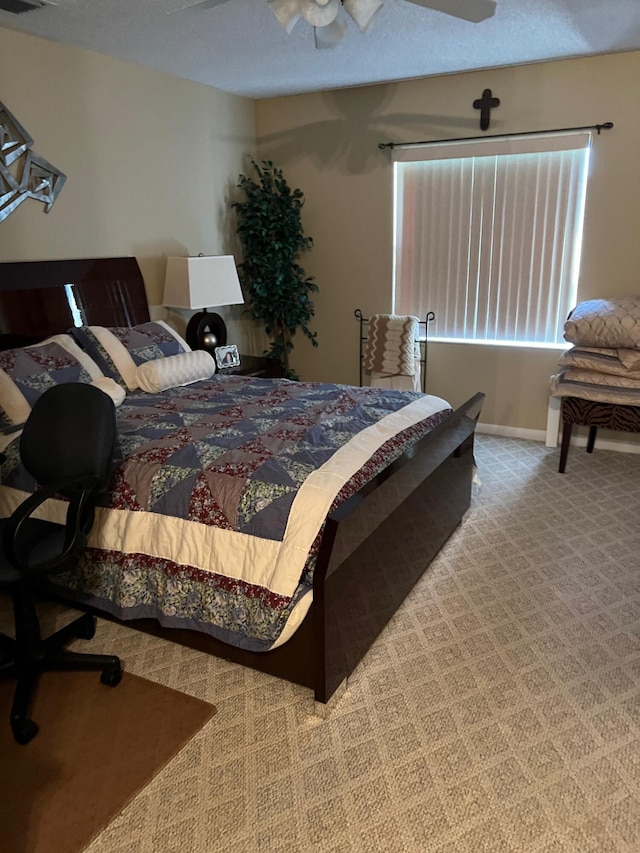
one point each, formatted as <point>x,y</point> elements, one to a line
<point>23,174</point>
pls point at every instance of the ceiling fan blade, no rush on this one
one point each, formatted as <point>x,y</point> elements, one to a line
<point>201,6</point>
<point>469,10</point>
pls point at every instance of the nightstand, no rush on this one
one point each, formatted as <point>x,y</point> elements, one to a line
<point>254,365</point>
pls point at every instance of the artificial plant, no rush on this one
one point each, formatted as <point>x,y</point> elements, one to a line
<point>270,230</point>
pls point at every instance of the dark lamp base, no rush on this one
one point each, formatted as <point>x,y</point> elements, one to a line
<point>206,330</point>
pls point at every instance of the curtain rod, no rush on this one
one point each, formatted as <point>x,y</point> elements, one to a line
<point>599,127</point>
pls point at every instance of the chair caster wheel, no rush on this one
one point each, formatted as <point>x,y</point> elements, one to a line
<point>85,627</point>
<point>24,731</point>
<point>111,676</point>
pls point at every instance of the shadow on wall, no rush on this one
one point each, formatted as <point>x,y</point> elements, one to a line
<point>348,143</point>
<point>227,220</point>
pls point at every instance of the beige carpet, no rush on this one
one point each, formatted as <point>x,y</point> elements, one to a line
<point>500,711</point>
<point>96,749</point>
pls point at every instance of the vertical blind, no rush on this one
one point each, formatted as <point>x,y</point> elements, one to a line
<point>488,235</point>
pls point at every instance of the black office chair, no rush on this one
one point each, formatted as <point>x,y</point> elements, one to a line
<point>67,445</point>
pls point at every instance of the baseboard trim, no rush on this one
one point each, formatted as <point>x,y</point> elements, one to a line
<point>511,432</point>
<point>621,446</point>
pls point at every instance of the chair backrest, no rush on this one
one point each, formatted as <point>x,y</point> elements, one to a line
<point>70,433</point>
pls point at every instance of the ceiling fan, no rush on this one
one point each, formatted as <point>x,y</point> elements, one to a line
<point>328,17</point>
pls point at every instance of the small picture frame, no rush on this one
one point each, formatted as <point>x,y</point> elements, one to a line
<point>227,357</point>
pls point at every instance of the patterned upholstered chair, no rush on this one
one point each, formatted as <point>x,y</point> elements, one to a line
<point>594,414</point>
<point>599,378</point>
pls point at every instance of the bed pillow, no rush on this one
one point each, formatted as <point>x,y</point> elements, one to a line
<point>617,362</point>
<point>26,372</point>
<point>174,370</point>
<point>612,323</point>
<point>119,350</point>
<point>90,344</point>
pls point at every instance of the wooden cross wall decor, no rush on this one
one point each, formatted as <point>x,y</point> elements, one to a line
<point>485,104</point>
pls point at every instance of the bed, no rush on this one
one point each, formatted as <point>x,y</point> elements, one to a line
<point>337,496</point>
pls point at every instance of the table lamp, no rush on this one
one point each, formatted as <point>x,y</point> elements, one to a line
<point>203,282</point>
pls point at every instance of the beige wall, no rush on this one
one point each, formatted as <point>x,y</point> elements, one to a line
<point>327,145</point>
<point>150,160</point>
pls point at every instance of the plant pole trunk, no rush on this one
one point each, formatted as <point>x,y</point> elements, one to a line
<point>282,334</point>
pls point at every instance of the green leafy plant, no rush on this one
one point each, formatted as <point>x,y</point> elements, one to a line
<point>270,230</point>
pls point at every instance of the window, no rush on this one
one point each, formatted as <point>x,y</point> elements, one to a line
<point>488,236</point>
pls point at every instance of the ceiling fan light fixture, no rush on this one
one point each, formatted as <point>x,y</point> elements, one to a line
<point>328,17</point>
<point>329,36</point>
<point>287,12</point>
<point>319,13</point>
<point>362,11</point>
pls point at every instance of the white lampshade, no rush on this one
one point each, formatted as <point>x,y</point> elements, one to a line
<point>202,282</point>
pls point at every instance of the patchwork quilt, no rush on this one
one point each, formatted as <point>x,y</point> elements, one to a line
<point>220,493</point>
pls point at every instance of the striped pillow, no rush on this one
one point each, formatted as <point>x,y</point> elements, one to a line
<point>119,350</point>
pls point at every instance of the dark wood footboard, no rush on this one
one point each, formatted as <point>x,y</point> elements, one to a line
<point>374,549</point>
<point>391,536</point>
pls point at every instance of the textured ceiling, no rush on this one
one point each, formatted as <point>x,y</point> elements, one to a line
<point>240,47</point>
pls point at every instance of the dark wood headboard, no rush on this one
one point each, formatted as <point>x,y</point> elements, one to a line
<point>35,301</point>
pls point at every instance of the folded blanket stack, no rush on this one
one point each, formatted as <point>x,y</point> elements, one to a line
<point>604,363</point>
<point>392,351</point>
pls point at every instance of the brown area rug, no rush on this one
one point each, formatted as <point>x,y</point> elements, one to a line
<point>97,748</point>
